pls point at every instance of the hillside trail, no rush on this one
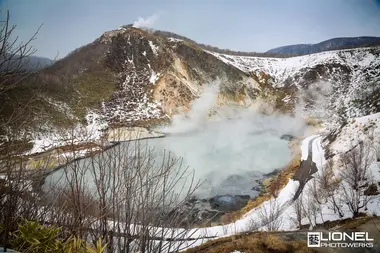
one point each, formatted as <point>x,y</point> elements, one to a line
<point>306,170</point>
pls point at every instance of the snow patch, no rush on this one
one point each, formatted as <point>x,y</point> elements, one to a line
<point>286,99</point>
<point>174,40</point>
<point>153,47</point>
<point>154,77</point>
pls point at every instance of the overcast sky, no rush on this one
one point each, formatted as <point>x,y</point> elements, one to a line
<point>244,25</point>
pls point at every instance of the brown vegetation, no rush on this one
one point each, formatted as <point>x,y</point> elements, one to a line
<point>345,224</point>
<point>252,243</point>
<point>315,122</point>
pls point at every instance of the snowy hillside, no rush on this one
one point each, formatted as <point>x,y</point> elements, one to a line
<point>360,61</point>
<point>349,79</point>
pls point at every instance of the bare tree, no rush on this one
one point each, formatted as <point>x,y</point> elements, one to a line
<point>13,54</point>
<point>317,196</point>
<point>126,195</point>
<point>253,225</point>
<point>310,207</point>
<point>356,177</point>
<point>298,211</point>
<point>270,215</point>
<point>18,200</point>
<point>329,187</point>
<point>128,198</point>
<point>17,68</point>
<point>376,148</point>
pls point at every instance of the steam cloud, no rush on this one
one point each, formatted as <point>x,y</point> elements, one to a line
<point>230,150</point>
<point>146,22</point>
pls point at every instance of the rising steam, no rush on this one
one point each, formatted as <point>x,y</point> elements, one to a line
<point>146,22</point>
<point>232,149</point>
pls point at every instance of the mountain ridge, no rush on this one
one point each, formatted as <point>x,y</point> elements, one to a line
<point>337,43</point>
<point>327,45</point>
<point>129,77</point>
<point>28,63</point>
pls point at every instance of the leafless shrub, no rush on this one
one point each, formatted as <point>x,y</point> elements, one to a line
<point>14,63</point>
<point>298,211</point>
<point>135,204</point>
<point>13,54</point>
<point>18,197</point>
<point>376,148</point>
<point>253,225</point>
<point>225,229</point>
<point>270,215</point>
<point>18,200</point>
<point>356,177</point>
<point>329,188</point>
<point>310,208</point>
<point>125,195</point>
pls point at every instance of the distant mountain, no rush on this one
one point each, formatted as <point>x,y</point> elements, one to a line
<point>331,44</point>
<point>37,62</point>
<point>30,63</point>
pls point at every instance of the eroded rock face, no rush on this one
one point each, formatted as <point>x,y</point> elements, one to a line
<point>287,137</point>
<point>159,77</point>
<point>229,203</point>
<point>206,211</point>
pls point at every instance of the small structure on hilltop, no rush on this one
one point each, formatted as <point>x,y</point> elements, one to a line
<point>127,26</point>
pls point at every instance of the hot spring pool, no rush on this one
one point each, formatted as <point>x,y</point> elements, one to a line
<point>227,157</point>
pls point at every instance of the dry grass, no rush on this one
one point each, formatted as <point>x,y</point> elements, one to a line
<point>315,122</point>
<point>347,224</point>
<point>252,243</point>
<point>274,243</point>
<point>78,147</point>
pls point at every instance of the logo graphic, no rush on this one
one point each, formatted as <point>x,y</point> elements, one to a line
<point>313,239</point>
<point>339,240</point>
